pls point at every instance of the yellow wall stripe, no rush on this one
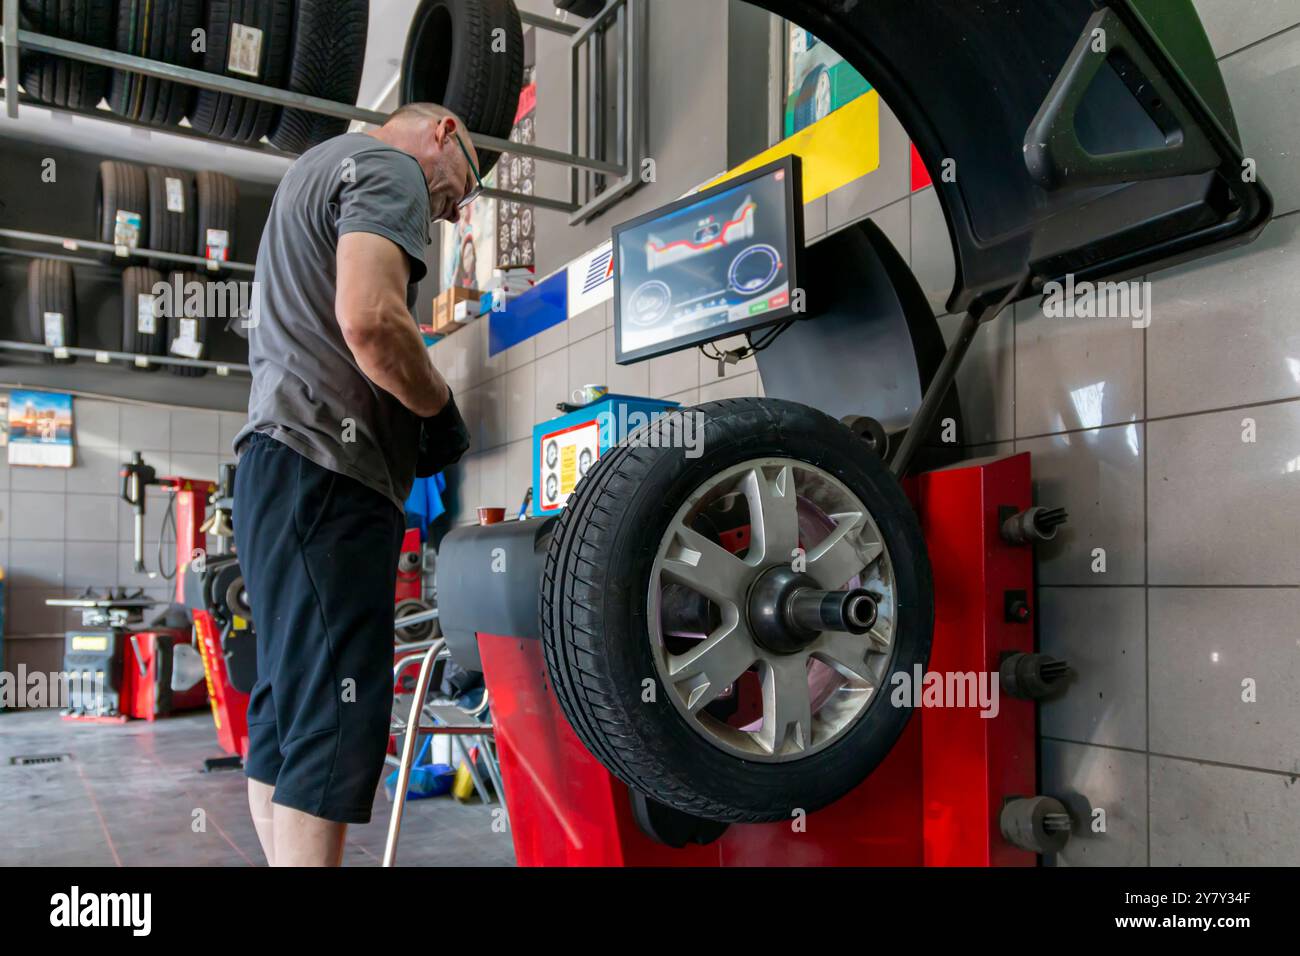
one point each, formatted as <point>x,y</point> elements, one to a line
<point>836,150</point>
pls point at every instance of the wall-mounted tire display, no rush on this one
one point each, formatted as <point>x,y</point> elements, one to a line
<point>160,30</point>
<point>216,197</point>
<point>247,40</point>
<point>171,212</point>
<point>450,60</point>
<point>57,80</point>
<point>122,206</point>
<point>188,324</point>
<point>144,320</point>
<point>329,49</point>
<point>682,572</point>
<point>581,8</point>
<point>52,305</point>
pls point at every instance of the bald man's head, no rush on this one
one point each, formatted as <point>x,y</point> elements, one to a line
<point>438,139</point>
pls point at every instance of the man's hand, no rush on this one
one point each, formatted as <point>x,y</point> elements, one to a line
<point>370,306</point>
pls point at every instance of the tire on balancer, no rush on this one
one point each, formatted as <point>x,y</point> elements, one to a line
<point>259,54</point>
<point>52,305</point>
<point>329,49</point>
<point>603,648</point>
<point>450,60</point>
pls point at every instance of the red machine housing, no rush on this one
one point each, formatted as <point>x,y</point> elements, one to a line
<point>935,799</point>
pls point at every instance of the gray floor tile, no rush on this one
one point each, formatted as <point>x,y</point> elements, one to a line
<point>1207,815</point>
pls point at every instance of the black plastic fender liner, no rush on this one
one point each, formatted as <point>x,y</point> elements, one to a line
<point>966,81</point>
<point>487,582</point>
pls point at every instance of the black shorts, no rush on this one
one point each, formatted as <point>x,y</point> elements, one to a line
<point>319,555</point>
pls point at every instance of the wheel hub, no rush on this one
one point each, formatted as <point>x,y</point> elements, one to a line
<point>788,610</point>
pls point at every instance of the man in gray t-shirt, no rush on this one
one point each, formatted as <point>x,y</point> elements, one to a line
<point>344,401</point>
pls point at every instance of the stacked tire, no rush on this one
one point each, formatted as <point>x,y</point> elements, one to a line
<point>452,58</point>
<point>122,206</point>
<point>172,215</point>
<point>144,315</point>
<point>52,306</point>
<point>58,80</point>
<point>188,323</point>
<point>329,48</point>
<point>247,40</point>
<point>158,31</point>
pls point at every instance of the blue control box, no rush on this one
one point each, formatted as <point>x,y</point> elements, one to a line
<point>565,448</point>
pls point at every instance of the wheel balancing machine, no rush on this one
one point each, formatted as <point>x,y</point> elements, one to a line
<point>728,625</point>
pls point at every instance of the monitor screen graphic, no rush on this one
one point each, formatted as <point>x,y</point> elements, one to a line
<point>709,266</point>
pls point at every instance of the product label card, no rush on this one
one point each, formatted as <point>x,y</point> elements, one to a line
<point>126,228</point>
<point>54,330</point>
<point>146,314</point>
<point>175,195</point>
<point>245,50</point>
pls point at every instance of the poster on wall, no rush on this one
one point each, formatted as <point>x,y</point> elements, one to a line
<point>818,81</point>
<point>40,429</point>
<point>468,254</point>
<point>518,174</point>
<point>4,420</point>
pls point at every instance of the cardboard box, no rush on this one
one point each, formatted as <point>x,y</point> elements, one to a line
<point>444,308</point>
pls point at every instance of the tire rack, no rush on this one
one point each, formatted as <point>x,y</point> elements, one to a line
<point>104,356</point>
<point>628,16</point>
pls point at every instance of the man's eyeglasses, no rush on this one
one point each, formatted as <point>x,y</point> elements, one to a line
<point>473,194</point>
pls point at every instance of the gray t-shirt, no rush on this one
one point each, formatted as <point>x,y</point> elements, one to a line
<point>308,391</point>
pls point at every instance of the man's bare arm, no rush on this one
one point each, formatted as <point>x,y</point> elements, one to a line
<point>370,305</point>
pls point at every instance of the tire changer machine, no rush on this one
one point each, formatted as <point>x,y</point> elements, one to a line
<point>201,646</point>
<point>718,653</point>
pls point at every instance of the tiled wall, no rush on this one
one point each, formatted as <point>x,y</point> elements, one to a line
<point>1139,434</point>
<point>63,530</point>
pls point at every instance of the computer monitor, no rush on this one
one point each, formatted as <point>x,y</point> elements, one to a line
<point>711,265</point>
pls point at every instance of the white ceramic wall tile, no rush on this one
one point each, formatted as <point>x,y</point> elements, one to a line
<point>891,181</point>
<point>1223,331</point>
<point>1097,477</point>
<point>932,257</point>
<point>986,379</point>
<point>1225,663</point>
<point>520,354</point>
<point>36,516</point>
<point>35,564</point>
<point>548,340</point>
<point>519,472</point>
<point>733,386</point>
<point>194,431</point>
<point>144,428</point>
<point>674,372</point>
<point>589,323</point>
<point>1206,815</point>
<point>1102,633</point>
<point>95,423</point>
<point>492,480</point>
<point>92,518</point>
<point>631,379</point>
<point>1222,510</point>
<point>1086,779</point>
<point>1263,83</point>
<point>32,478</point>
<point>587,363</point>
<point>521,402</point>
<point>1229,31</point>
<point>551,384</point>
<point>1075,372</point>
<point>493,411</point>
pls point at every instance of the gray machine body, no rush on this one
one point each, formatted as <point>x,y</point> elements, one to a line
<point>487,580</point>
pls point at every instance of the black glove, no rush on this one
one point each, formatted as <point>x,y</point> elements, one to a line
<point>443,439</point>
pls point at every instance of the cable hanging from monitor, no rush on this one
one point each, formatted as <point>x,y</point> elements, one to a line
<point>731,356</point>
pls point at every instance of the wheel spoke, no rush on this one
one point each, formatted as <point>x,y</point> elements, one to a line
<point>841,556</point>
<point>706,567</point>
<point>787,706</point>
<point>705,671</point>
<point>773,515</point>
<point>847,653</point>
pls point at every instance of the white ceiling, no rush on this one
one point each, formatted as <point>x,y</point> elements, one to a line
<point>389,20</point>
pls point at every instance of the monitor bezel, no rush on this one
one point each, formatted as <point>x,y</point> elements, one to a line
<point>793,167</point>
